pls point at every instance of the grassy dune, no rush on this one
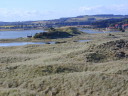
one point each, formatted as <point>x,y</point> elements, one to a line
<point>93,68</point>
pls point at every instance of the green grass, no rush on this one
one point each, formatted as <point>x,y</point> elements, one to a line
<point>58,33</point>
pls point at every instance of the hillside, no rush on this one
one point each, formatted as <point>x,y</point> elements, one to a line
<point>58,33</point>
<point>110,22</point>
<point>95,68</point>
<point>69,21</point>
<point>80,20</point>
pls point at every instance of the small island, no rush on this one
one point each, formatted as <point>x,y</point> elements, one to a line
<point>58,33</point>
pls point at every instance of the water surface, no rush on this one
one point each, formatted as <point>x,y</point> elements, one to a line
<point>18,34</point>
<point>23,43</point>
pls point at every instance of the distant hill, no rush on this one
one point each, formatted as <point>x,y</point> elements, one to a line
<point>110,22</point>
<point>80,20</point>
<point>68,21</point>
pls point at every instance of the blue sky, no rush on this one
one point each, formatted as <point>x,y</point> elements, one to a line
<point>22,10</point>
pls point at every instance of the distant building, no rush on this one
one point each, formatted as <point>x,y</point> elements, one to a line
<point>125,26</point>
<point>111,29</point>
<point>118,26</point>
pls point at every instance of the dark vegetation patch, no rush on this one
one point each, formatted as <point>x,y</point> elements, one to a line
<point>113,50</point>
<point>58,33</point>
<point>124,72</point>
<point>13,59</point>
<point>110,22</point>
<point>96,57</point>
<point>37,71</point>
<point>56,69</point>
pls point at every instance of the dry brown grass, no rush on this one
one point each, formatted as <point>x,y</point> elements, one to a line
<point>63,70</point>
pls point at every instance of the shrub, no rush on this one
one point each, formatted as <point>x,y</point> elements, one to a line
<point>96,57</point>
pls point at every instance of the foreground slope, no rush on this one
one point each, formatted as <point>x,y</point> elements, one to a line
<point>95,68</point>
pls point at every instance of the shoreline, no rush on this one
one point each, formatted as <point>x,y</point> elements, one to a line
<point>25,39</point>
<point>21,29</point>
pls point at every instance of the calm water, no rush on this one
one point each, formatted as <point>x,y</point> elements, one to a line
<point>18,34</point>
<point>25,33</point>
<point>23,43</point>
<point>28,43</point>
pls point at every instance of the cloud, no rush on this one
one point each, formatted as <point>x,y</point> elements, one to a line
<point>23,15</point>
<point>110,9</point>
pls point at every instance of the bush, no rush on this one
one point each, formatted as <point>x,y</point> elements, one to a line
<point>96,57</point>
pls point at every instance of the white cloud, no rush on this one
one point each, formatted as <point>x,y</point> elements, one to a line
<point>25,15</point>
<point>110,9</point>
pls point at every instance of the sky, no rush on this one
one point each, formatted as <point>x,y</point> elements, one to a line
<point>25,10</point>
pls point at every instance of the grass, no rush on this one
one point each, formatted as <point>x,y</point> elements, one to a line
<point>66,69</point>
<point>58,33</point>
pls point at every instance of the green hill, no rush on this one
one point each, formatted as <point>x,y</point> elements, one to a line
<point>58,33</point>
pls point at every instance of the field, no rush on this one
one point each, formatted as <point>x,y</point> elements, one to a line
<point>95,68</point>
